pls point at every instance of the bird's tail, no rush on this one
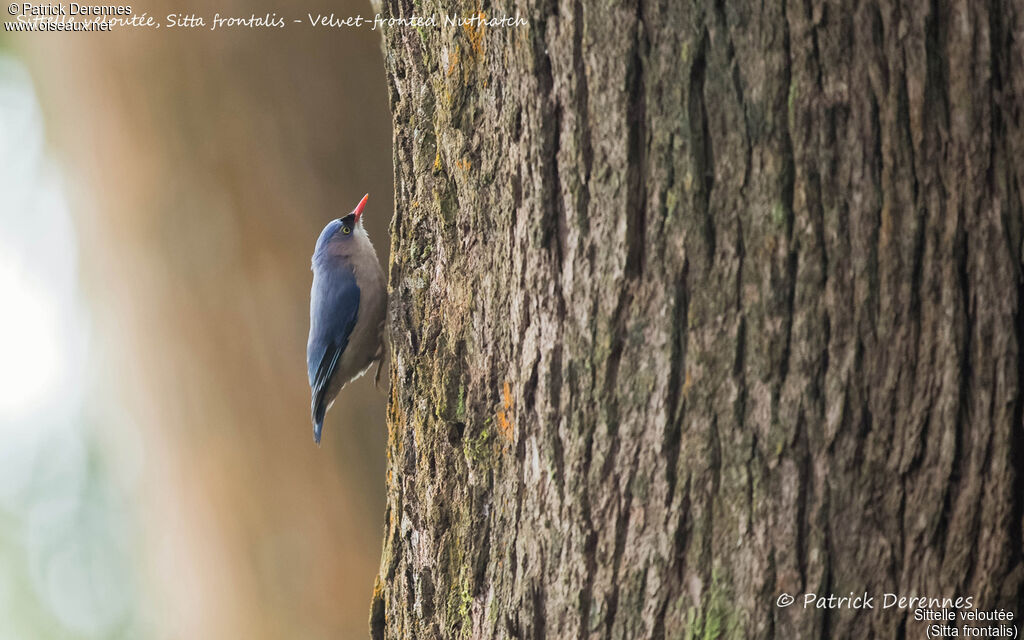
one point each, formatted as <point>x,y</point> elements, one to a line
<point>319,409</point>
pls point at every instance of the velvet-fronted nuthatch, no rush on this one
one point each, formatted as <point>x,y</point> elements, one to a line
<point>348,305</point>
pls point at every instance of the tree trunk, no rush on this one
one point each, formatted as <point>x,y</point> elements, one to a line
<point>695,305</point>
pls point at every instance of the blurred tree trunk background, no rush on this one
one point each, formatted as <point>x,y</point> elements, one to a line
<point>203,165</point>
<point>699,303</point>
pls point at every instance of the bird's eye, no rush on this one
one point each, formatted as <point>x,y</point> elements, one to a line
<point>346,230</point>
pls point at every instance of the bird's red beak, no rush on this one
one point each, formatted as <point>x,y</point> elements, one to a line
<point>359,207</point>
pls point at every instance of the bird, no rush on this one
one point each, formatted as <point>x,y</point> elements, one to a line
<point>347,311</point>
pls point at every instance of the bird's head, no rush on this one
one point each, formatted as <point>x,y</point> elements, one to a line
<point>338,235</point>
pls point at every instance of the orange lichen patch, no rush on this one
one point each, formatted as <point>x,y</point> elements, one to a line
<point>437,161</point>
<point>453,61</point>
<point>415,203</point>
<point>475,35</point>
<point>505,426</point>
<point>462,164</point>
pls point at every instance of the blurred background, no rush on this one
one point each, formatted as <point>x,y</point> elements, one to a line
<point>160,195</point>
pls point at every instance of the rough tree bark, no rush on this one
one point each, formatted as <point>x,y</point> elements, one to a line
<point>695,304</point>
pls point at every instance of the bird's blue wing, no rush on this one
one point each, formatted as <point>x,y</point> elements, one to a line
<point>333,314</point>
